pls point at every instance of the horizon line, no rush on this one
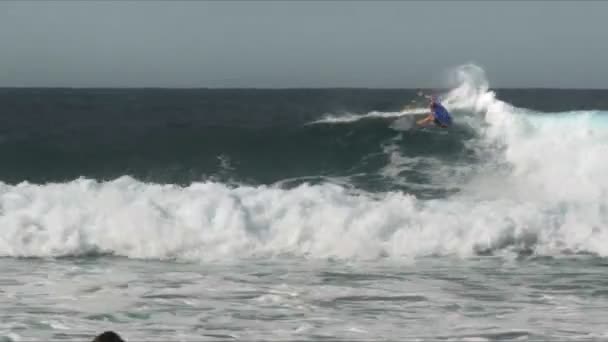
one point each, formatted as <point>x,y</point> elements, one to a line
<point>283,88</point>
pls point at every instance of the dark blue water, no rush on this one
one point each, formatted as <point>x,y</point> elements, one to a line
<point>253,136</point>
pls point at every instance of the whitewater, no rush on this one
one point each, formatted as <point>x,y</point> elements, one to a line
<point>496,229</point>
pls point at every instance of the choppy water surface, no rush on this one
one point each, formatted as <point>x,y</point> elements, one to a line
<point>291,299</point>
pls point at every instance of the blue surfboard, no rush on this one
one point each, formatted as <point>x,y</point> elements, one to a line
<point>442,115</point>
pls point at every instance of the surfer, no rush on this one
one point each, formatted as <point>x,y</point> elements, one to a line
<point>438,115</point>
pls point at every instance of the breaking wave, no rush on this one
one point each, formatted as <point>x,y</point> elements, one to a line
<point>538,186</point>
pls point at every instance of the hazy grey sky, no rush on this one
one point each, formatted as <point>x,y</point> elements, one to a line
<point>300,43</point>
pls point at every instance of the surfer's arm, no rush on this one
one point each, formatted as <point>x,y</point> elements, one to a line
<point>430,117</point>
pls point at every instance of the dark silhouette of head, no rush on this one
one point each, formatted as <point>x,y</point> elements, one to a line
<point>108,336</point>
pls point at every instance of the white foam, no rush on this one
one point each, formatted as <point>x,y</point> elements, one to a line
<point>353,117</point>
<point>209,221</point>
<point>553,156</point>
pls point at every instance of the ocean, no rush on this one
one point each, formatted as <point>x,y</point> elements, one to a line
<point>304,214</point>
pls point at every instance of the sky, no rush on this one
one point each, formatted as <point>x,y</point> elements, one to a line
<point>291,44</point>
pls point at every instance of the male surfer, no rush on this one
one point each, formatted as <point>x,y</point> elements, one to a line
<point>439,115</point>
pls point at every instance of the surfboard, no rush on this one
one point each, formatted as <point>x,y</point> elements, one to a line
<point>442,115</point>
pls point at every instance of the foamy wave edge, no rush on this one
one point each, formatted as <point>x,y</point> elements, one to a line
<point>211,221</point>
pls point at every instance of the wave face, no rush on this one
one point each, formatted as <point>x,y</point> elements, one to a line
<point>180,137</point>
<point>220,174</point>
